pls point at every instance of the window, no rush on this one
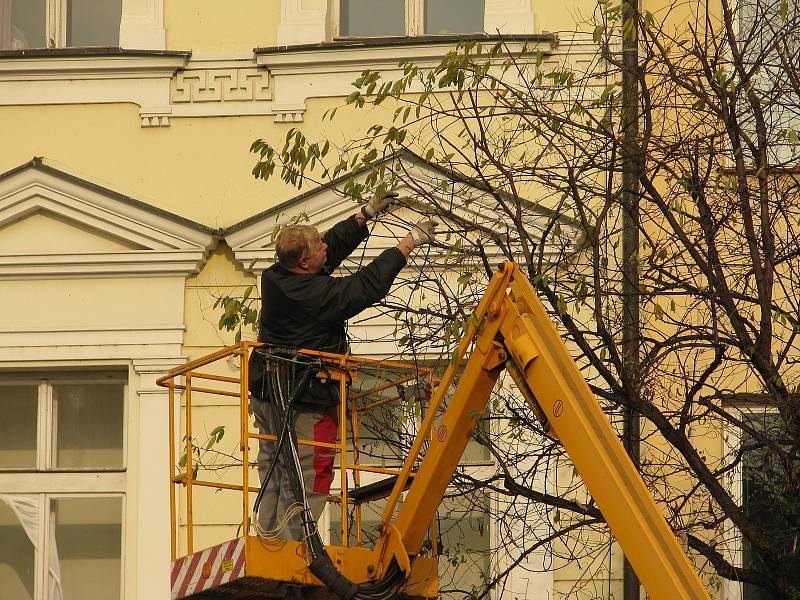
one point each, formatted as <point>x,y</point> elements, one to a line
<point>386,431</point>
<point>62,484</point>
<point>378,18</point>
<point>465,544</point>
<point>776,514</point>
<point>388,423</point>
<point>464,540</point>
<point>59,23</point>
<point>768,37</point>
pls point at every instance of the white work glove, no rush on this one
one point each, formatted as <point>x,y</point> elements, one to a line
<point>423,232</point>
<point>379,202</point>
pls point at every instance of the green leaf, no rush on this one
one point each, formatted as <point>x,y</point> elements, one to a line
<point>659,312</point>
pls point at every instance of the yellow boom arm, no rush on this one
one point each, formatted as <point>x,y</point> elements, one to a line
<point>511,330</point>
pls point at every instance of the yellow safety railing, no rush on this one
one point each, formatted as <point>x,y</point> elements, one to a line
<point>363,385</point>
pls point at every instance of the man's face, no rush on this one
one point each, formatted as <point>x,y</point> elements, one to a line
<point>317,255</point>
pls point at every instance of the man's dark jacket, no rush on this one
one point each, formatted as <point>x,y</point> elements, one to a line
<point>310,310</point>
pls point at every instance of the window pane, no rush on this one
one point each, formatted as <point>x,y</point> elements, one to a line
<point>18,407</point>
<point>22,24</point>
<point>89,543</point>
<point>89,425</point>
<point>465,542</point>
<point>769,502</point>
<point>454,16</point>
<point>372,18</point>
<point>93,22</point>
<point>16,557</point>
<point>370,523</point>
<point>388,408</point>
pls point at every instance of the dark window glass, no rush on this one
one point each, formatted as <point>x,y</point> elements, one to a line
<point>19,407</point>
<point>89,425</point>
<point>370,523</point>
<point>22,24</point>
<point>454,16</point>
<point>465,543</point>
<point>775,513</point>
<point>372,18</point>
<point>16,557</point>
<point>89,546</point>
<point>93,22</point>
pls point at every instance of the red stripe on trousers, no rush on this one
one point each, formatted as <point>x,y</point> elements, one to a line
<point>325,431</point>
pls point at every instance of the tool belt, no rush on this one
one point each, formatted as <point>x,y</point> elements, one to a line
<point>288,369</point>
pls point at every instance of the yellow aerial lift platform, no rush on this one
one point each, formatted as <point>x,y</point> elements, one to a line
<point>510,330</point>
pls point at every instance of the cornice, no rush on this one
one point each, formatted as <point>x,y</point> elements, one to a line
<point>99,76</point>
<point>417,45</point>
<point>101,264</point>
<point>276,81</point>
<point>328,69</point>
<point>105,63</point>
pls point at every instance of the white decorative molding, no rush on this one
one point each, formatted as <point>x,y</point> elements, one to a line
<point>151,241</point>
<point>253,244</point>
<point>155,117</point>
<point>220,85</point>
<point>63,78</point>
<point>288,114</point>
<point>330,69</point>
<point>142,25</point>
<point>167,85</point>
<point>302,22</point>
<point>163,85</point>
<point>224,87</point>
<point>153,481</point>
<point>91,343</point>
<point>45,483</point>
<point>508,17</point>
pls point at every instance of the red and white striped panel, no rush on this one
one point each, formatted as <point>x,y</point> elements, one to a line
<point>207,568</point>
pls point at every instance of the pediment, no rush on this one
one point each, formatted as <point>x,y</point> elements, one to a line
<point>55,224</point>
<point>470,205</point>
<point>44,231</point>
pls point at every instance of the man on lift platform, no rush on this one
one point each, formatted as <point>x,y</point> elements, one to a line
<point>304,306</point>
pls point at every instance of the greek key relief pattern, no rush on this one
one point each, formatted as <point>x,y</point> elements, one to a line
<point>220,85</point>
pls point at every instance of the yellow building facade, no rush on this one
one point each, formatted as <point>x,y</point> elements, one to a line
<point>127,207</point>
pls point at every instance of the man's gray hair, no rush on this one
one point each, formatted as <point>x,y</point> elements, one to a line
<point>294,243</point>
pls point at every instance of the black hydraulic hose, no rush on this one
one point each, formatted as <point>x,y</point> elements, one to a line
<point>284,432</point>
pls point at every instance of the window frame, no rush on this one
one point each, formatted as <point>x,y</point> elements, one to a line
<point>47,483</point>
<point>47,416</point>
<point>414,22</point>
<point>734,481</point>
<point>783,155</point>
<point>55,25</point>
<point>481,468</point>
<point>41,551</point>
